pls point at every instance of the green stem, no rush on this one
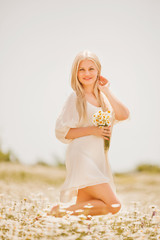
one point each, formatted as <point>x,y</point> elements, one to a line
<point>106,142</point>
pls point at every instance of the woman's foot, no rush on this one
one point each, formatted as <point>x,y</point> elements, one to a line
<point>56,212</point>
<point>53,211</point>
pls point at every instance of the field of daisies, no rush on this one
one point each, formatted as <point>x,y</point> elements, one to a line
<point>27,193</point>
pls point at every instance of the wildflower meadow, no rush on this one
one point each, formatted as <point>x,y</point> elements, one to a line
<point>28,193</point>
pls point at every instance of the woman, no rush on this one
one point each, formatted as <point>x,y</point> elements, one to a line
<point>89,178</point>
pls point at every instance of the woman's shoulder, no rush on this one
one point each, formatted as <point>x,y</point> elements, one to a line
<point>72,96</point>
<point>71,99</point>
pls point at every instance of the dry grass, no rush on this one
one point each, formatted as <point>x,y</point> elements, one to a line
<point>30,191</point>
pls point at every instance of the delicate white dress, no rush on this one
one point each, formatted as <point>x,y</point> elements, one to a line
<point>86,161</point>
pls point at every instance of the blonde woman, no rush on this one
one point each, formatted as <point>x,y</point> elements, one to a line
<point>89,180</point>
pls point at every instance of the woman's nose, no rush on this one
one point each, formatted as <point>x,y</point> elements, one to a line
<point>87,73</point>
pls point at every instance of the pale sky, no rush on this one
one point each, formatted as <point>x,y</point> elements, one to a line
<point>38,43</point>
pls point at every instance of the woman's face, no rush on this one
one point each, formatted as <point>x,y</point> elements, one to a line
<point>87,72</point>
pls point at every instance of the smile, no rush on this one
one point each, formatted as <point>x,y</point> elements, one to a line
<point>87,78</point>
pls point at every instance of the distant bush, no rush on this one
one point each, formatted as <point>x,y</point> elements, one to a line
<point>148,168</point>
<point>42,163</point>
<point>58,162</point>
<point>4,157</point>
<point>9,156</point>
<point>60,165</point>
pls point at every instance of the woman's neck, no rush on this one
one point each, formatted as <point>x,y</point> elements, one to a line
<point>88,90</point>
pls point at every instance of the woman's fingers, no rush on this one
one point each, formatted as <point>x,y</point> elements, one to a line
<point>103,80</point>
<point>106,135</point>
<point>106,130</point>
<point>106,138</point>
<point>106,127</point>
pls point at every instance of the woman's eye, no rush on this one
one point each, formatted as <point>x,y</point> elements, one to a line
<point>82,69</point>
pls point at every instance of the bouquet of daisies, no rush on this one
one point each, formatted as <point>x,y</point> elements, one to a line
<point>100,119</point>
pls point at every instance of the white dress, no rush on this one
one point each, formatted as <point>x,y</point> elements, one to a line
<point>86,162</point>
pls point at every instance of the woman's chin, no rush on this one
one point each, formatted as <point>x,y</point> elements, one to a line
<point>87,83</point>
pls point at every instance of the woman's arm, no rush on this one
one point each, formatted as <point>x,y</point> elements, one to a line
<point>121,111</point>
<point>91,130</point>
<point>79,132</point>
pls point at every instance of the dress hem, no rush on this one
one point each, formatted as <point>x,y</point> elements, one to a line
<point>75,190</point>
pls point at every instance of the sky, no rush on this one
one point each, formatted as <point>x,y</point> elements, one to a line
<point>39,40</point>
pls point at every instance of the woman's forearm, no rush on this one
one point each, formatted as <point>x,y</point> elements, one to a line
<point>121,111</point>
<point>79,132</point>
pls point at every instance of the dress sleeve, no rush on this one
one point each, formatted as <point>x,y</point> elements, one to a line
<point>68,118</point>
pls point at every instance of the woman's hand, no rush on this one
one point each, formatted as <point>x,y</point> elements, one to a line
<point>102,131</point>
<point>103,83</point>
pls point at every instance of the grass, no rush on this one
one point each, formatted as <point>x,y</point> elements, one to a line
<point>15,172</point>
<point>29,192</point>
<point>24,176</point>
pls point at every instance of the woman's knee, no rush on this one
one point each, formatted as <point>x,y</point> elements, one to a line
<point>115,207</point>
<point>104,193</point>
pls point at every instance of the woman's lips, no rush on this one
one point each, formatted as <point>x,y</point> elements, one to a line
<point>86,78</point>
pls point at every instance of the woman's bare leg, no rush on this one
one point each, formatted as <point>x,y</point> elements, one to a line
<point>100,196</point>
<point>98,208</point>
<point>105,193</point>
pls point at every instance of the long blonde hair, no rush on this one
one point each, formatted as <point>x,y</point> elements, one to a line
<point>78,88</point>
